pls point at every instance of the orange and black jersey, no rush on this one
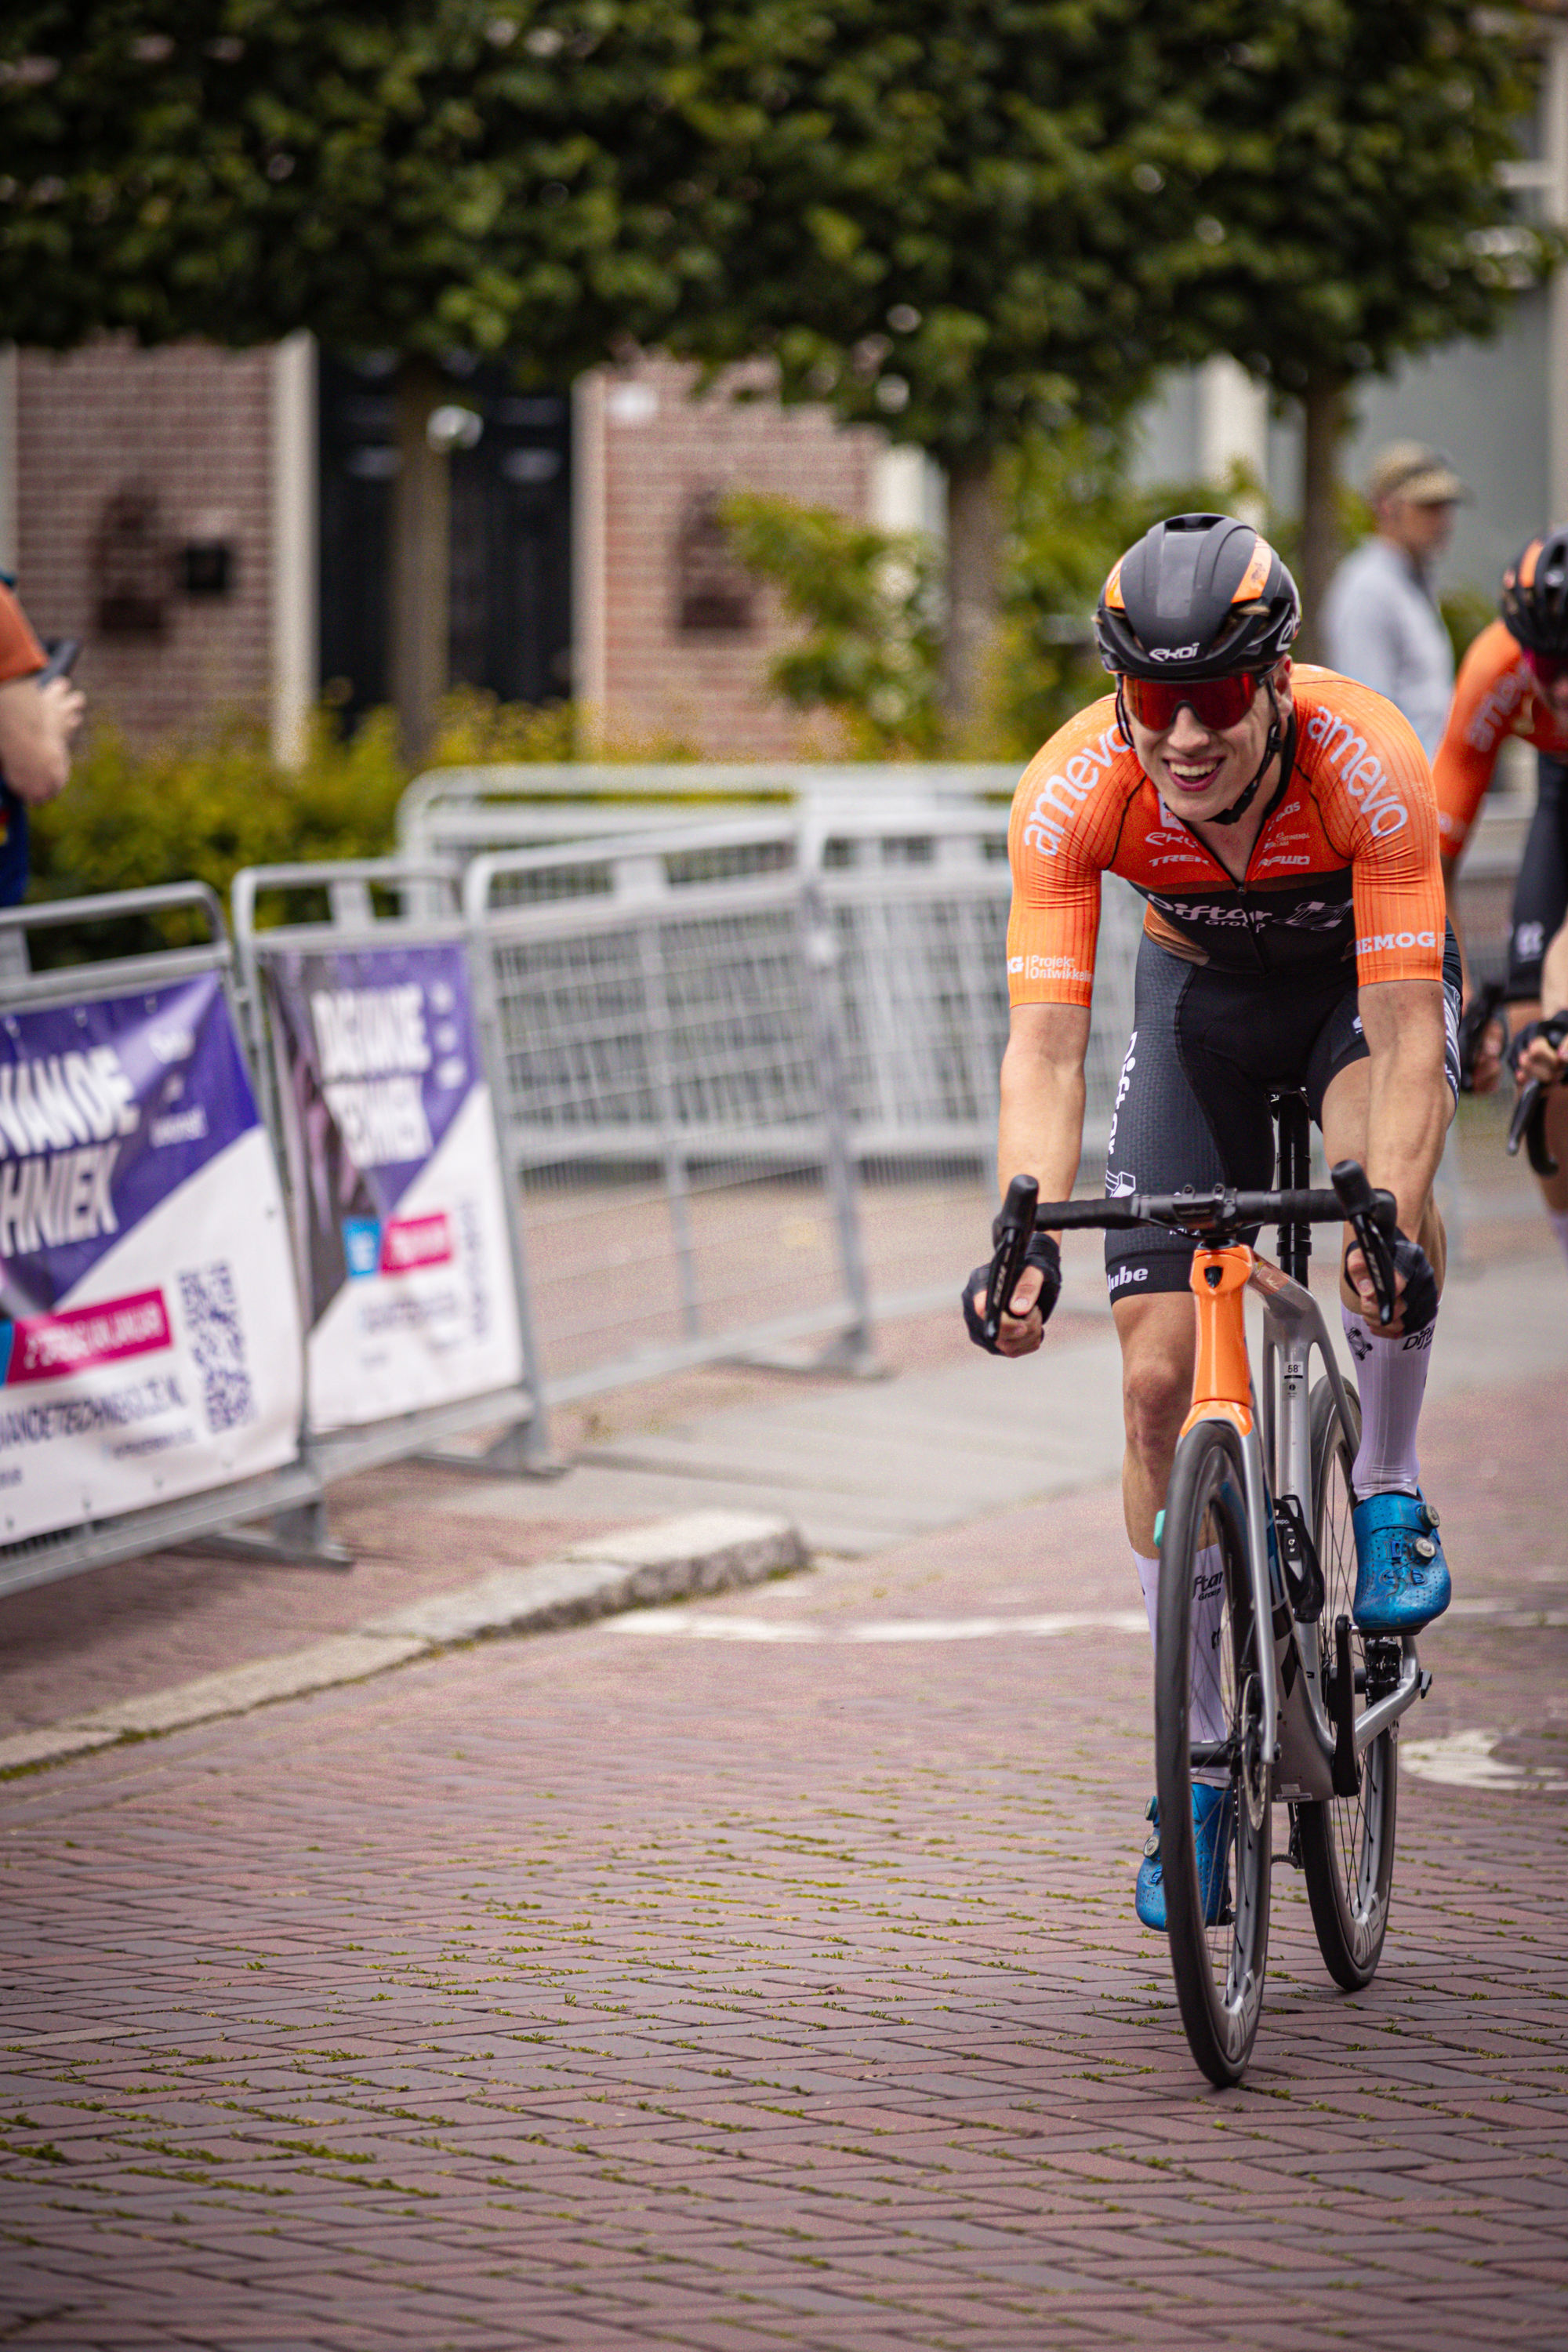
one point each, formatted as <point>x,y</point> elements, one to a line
<point>1493,699</point>
<point>1345,863</point>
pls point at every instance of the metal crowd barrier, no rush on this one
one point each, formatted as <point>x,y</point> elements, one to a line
<point>361,945</point>
<point>669,1099</point>
<point>750,1069</point>
<point>460,813</point>
<point>159,1111</point>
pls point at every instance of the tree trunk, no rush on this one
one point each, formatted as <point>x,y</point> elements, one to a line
<point>421,522</point>
<point>1324,421</point>
<point>973,531</point>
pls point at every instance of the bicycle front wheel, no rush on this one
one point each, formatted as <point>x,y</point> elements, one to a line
<point>1212,1775</point>
<point>1347,1843</point>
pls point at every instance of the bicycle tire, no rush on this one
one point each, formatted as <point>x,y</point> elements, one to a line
<point>1218,1966</point>
<point>1347,1843</point>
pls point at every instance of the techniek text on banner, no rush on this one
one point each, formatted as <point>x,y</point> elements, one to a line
<point>399,1214</point>
<point>149,1321</point>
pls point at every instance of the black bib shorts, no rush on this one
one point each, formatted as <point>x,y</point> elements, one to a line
<point>1207,1050</point>
<point>1540,892</point>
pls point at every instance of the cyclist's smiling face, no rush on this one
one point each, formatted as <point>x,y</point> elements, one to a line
<point>1198,770</point>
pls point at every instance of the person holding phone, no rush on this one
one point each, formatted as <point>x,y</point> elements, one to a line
<point>39,715</point>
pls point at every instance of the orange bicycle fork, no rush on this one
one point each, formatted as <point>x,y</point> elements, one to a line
<point>1222,1376</point>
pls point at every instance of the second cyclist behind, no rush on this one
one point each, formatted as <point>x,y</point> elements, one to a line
<point>1281,827</point>
<point>1514,681</point>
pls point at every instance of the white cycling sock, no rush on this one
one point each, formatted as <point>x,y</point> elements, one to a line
<point>1392,1377</point>
<point>1207,1712</point>
<point>1149,1585</point>
<point>1558,1221</point>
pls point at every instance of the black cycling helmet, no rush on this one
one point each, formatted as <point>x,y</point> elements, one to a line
<point>1535,604</point>
<point>1199,596</point>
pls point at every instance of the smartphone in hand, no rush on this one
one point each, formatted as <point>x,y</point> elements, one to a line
<point>62,656</point>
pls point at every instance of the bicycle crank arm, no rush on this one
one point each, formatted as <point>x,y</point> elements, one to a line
<point>1347,1749</point>
<point>1412,1685</point>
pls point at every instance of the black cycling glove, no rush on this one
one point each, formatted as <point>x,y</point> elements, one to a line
<point>1042,1253</point>
<point>1553,1030</point>
<point>1418,1303</point>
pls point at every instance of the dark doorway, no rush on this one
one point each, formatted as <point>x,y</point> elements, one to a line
<point>510,578</point>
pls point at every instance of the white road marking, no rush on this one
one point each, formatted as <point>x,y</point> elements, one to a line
<point>1464,1761</point>
<point>709,1625</point>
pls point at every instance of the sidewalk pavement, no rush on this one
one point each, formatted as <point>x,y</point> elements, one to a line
<point>763,1974</point>
<point>854,1467</point>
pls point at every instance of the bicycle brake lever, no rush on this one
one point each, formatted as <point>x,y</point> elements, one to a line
<point>1528,1126</point>
<point>1484,1008</point>
<point>1371,1219</point>
<point>1012,1233</point>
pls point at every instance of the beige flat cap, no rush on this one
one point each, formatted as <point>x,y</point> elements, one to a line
<point>1409,469</point>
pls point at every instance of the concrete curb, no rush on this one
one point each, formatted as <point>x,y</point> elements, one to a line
<point>699,1552</point>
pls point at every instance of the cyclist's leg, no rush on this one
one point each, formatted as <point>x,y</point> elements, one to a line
<point>1167,1133</point>
<point>1399,1587</point>
<point>1539,903</point>
<point>1189,1110</point>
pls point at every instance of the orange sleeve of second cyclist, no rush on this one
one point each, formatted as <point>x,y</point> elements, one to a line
<point>1059,841</point>
<point>1490,690</point>
<point>1374,792</point>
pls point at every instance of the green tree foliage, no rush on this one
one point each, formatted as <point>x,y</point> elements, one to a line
<point>478,176</point>
<point>457,175</point>
<point>870,603</point>
<point>969,220</point>
<point>1340,203</point>
<point>948,228</point>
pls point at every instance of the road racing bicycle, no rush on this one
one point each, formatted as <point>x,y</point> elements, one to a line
<point>1264,1688</point>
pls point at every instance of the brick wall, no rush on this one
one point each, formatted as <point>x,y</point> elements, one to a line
<point>664,452</point>
<point>189,425</point>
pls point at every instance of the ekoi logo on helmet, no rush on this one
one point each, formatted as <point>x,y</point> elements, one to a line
<point>1174,653</point>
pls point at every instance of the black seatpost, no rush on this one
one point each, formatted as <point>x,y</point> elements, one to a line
<point>1295,1162</point>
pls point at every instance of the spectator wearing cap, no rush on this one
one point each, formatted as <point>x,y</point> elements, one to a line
<point>1381,622</point>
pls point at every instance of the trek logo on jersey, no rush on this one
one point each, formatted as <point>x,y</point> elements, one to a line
<point>1364,776</point>
<point>1066,790</point>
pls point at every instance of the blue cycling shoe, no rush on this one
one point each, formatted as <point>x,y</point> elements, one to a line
<point>1401,1578</point>
<point>1214,1813</point>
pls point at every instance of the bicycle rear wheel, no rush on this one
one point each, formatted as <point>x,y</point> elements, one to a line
<point>1347,1843</point>
<point>1207,1691</point>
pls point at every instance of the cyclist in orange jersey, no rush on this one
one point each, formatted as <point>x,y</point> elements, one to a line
<point>1514,681</point>
<point>1281,827</point>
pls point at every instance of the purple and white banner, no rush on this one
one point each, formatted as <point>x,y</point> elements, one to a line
<point>149,1323</point>
<point>399,1211</point>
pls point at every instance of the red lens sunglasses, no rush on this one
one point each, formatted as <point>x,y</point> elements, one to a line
<point>1214,702</point>
<point>1546,668</point>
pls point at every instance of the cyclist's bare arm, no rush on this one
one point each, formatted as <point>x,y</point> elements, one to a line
<point>1040,1132</point>
<point>37,724</point>
<point>1542,1059</point>
<point>1408,1107</point>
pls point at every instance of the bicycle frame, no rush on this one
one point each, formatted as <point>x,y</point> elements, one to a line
<point>1310,1755</point>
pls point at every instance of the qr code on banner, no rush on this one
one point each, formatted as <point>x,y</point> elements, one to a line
<point>212,1318</point>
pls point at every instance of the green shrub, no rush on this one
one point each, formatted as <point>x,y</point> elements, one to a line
<point>201,807</point>
<point>871,603</point>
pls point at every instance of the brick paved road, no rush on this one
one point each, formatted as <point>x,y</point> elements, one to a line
<point>620,1989</point>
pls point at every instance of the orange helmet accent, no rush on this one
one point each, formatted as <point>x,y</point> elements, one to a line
<point>1255,579</point>
<point>1113,591</point>
<point>1524,570</point>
